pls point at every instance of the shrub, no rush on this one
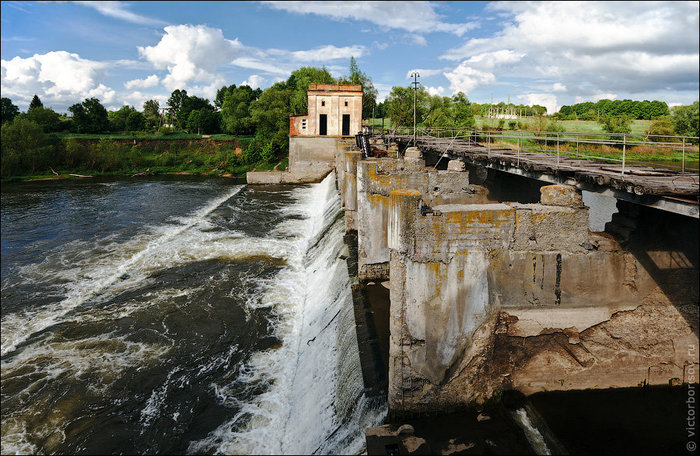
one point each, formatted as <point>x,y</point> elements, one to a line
<point>660,128</point>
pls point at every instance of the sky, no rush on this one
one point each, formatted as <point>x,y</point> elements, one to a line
<point>547,53</point>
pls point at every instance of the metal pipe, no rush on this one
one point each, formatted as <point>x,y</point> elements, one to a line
<point>624,147</point>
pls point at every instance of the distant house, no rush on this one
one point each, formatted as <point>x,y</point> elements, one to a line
<point>333,110</point>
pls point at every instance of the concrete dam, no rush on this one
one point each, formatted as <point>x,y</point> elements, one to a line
<point>497,283</point>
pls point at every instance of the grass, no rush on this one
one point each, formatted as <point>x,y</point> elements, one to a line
<point>641,154</point>
<point>639,127</point>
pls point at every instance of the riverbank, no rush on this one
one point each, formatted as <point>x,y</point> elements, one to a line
<point>236,172</point>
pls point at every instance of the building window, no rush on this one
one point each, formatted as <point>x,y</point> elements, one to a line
<point>346,102</point>
<point>323,103</point>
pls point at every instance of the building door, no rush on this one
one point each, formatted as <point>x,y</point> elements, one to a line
<point>346,124</point>
<point>323,125</point>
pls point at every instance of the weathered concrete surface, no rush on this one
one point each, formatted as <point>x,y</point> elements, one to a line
<point>287,177</point>
<point>376,178</point>
<point>311,159</point>
<point>499,296</point>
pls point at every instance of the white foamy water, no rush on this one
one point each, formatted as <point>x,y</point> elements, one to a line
<point>315,401</point>
<point>532,434</point>
<point>116,267</point>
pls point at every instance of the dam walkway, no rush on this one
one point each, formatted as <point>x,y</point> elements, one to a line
<point>594,162</point>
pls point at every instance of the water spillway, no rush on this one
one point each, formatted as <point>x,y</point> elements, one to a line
<point>178,316</point>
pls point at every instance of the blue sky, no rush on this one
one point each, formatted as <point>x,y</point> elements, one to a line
<point>549,53</point>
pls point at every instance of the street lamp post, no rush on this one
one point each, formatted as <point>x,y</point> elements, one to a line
<point>415,83</point>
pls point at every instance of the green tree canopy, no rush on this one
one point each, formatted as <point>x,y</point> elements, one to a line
<point>117,119</point>
<point>46,118</point>
<point>188,105</point>
<point>270,114</point>
<point>151,113</point>
<point>25,147</point>
<point>686,119</point>
<point>299,81</point>
<point>235,111</point>
<point>135,121</point>
<point>369,93</point>
<point>616,124</point>
<point>9,111</point>
<point>35,103</point>
<point>221,95</point>
<point>206,121</point>
<point>89,116</point>
<point>175,101</point>
<point>400,105</point>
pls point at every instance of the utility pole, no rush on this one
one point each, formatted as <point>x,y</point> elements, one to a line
<point>415,83</point>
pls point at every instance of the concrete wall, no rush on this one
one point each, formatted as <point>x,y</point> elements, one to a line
<point>310,160</point>
<point>376,178</point>
<point>498,296</point>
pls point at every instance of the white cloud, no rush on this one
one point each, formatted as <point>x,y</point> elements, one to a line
<point>464,78</point>
<point>424,73</point>
<point>254,81</point>
<point>328,52</point>
<point>596,97</point>
<point>418,40</point>
<point>435,90</point>
<point>150,81</point>
<point>191,54</point>
<point>548,100</point>
<point>58,77</point>
<point>593,47</point>
<point>558,87</point>
<point>119,10</point>
<point>258,64</point>
<point>489,60</point>
<point>415,17</point>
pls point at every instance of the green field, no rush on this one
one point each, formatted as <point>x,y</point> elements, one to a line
<point>576,126</point>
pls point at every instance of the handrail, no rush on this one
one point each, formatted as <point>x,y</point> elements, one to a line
<point>527,141</point>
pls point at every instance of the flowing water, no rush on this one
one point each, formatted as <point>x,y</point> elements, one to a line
<point>178,315</point>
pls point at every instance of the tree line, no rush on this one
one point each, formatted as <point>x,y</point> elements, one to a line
<point>642,110</point>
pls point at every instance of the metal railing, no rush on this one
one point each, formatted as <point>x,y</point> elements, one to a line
<point>624,149</point>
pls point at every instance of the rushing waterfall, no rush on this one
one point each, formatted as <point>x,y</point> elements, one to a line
<point>532,434</point>
<point>316,402</point>
<point>173,316</point>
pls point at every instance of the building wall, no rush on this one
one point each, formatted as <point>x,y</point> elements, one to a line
<point>330,100</point>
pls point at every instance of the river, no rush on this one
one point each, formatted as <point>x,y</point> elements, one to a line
<point>178,315</point>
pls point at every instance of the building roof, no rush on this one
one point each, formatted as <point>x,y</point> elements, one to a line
<point>335,88</point>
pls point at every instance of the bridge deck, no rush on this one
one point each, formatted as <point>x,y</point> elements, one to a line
<point>637,179</point>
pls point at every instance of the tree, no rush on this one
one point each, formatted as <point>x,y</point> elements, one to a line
<point>235,111</point>
<point>175,101</point>
<point>25,147</point>
<point>270,113</point>
<point>299,81</point>
<point>400,105</point>
<point>616,124</point>
<point>9,111</point>
<point>117,119</point>
<point>188,105</point>
<point>135,121</point>
<point>369,93</point>
<point>35,103</point>
<point>221,95</point>
<point>151,113</point>
<point>46,118</point>
<point>463,113</point>
<point>686,119</point>
<point>89,116</point>
<point>660,128</point>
